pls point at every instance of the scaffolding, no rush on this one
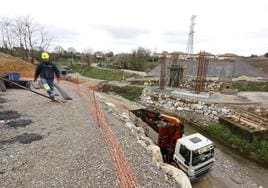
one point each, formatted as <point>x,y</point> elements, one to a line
<point>201,72</point>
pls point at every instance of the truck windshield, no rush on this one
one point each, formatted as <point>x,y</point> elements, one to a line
<point>199,157</point>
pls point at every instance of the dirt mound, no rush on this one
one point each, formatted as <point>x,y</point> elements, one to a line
<point>10,63</point>
<point>258,63</point>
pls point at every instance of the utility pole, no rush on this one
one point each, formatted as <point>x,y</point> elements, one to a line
<point>190,43</point>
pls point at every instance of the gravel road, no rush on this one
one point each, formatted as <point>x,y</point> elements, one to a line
<point>62,147</point>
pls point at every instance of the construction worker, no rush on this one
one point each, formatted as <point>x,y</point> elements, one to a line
<point>46,70</point>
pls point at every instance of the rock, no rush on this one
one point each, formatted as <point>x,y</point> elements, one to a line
<point>199,111</point>
<point>140,131</point>
<point>214,112</point>
<point>170,103</point>
<point>177,104</point>
<point>186,108</point>
<point>110,104</point>
<point>130,125</point>
<point>180,177</point>
<point>146,140</point>
<point>198,106</point>
<point>180,108</point>
<point>125,116</point>
<point>225,110</point>
<point>157,156</point>
<point>142,143</point>
<point>172,109</point>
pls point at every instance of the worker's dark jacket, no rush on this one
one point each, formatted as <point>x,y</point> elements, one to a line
<point>46,70</point>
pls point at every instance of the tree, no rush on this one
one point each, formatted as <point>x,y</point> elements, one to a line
<point>140,57</point>
<point>59,50</point>
<point>45,40</point>
<point>123,60</point>
<point>71,51</point>
<point>7,35</point>
<point>23,35</point>
<point>87,57</point>
<point>109,54</point>
<point>266,54</point>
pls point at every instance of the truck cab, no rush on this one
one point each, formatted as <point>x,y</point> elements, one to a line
<point>194,154</point>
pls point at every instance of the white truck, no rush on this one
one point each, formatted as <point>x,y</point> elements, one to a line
<point>194,154</point>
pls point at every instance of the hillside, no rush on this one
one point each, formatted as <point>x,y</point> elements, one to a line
<point>10,63</point>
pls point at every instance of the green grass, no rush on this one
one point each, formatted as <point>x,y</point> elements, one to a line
<point>75,68</point>
<point>257,146</point>
<point>131,93</point>
<point>250,86</point>
<point>104,74</point>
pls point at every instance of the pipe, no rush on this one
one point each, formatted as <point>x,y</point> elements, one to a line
<point>26,88</point>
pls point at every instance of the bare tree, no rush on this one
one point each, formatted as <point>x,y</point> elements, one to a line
<point>59,50</point>
<point>7,35</point>
<point>71,50</point>
<point>45,40</point>
<point>31,30</point>
<point>87,58</point>
<point>30,36</point>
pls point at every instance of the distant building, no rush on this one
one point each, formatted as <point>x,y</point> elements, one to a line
<point>227,56</point>
<point>180,55</point>
<point>208,55</point>
<point>99,56</point>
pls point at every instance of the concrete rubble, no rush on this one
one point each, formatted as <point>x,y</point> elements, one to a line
<point>195,110</point>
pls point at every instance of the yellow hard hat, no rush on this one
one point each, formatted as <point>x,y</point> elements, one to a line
<point>45,55</point>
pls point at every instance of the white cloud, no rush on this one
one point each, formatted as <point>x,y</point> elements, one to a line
<point>221,25</point>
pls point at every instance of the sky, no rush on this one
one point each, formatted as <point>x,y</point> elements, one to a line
<point>222,26</point>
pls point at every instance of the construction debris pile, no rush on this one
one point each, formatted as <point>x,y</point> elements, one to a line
<point>196,111</point>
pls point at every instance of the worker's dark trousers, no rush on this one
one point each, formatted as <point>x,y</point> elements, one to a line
<point>48,85</point>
